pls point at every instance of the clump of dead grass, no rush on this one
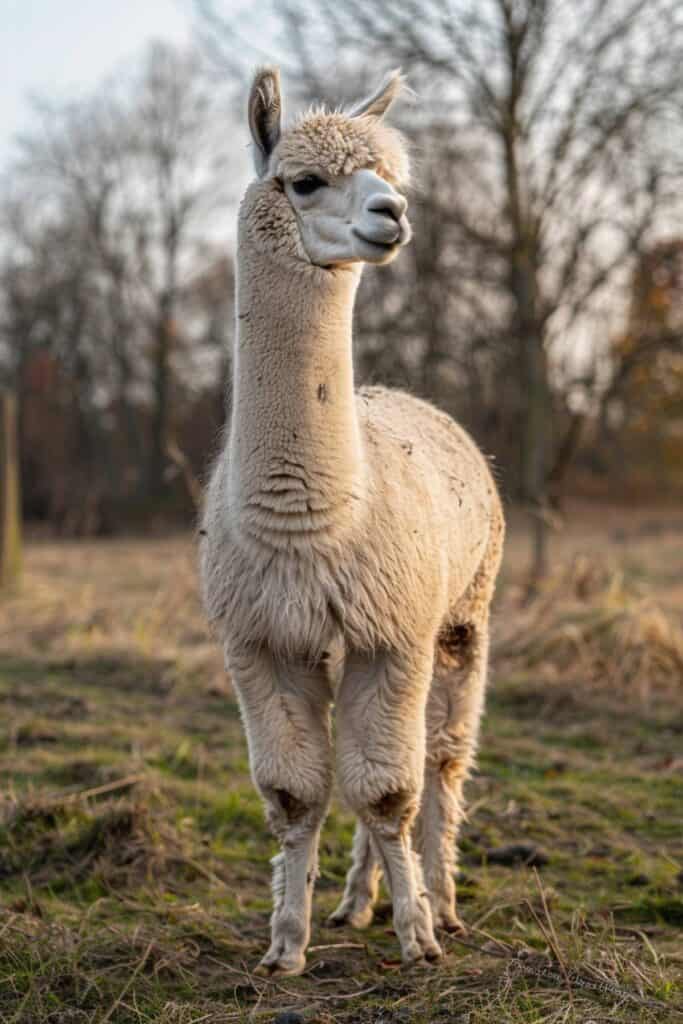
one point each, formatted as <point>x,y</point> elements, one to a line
<point>113,842</point>
<point>83,603</point>
<point>592,628</point>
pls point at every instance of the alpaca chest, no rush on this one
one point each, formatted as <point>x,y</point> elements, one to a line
<point>292,601</point>
<point>297,605</point>
<point>288,603</point>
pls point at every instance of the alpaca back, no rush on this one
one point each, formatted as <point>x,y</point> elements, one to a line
<point>437,504</point>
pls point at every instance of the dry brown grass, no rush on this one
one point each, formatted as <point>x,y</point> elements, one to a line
<point>130,597</point>
<point>134,857</point>
<point>590,625</point>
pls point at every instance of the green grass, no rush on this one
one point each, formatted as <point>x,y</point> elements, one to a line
<point>165,881</point>
<point>134,858</point>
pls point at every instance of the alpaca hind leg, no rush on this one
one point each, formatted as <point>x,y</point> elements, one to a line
<point>363,878</point>
<point>286,712</point>
<point>453,712</point>
<point>380,754</point>
<point>362,883</point>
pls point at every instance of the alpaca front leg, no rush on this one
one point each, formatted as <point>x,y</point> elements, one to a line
<point>362,883</point>
<point>381,729</point>
<point>286,712</point>
<point>453,713</point>
<point>295,869</point>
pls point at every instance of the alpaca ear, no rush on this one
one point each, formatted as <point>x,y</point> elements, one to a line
<point>377,104</point>
<point>265,115</point>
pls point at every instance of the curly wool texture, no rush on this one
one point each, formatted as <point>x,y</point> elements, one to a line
<point>335,143</point>
<point>269,223</point>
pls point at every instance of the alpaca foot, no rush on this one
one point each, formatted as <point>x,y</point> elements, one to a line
<point>278,963</point>
<point>419,949</point>
<point>355,912</point>
<point>446,919</point>
<point>283,957</point>
<point>417,935</point>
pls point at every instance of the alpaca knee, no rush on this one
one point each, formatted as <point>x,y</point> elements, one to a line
<point>385,795</point>
<point>283,810</point>
<point>395,806</point>
<point>288,814</point>
<point>392,814</point>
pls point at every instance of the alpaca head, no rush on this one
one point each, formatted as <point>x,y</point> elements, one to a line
<point>328,188</point>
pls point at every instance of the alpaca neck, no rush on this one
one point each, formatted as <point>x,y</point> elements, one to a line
<point>295,450</point>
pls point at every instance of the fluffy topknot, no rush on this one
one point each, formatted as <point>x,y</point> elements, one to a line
<point>337,143</point>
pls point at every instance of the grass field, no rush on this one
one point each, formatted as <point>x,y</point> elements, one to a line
<point>134,874</point>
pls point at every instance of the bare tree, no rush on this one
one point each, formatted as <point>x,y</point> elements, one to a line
<point>179,153</point>
<point>10,520</point>
<point>641,411</point>
<point>543,130</point>
<point>107,220</point>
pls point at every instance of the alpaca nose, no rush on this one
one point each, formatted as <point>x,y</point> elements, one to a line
<point>387,204</point>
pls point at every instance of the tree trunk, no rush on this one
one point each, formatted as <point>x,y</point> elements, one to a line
<point>159,439</point>
<point>10,513</point>
<point>536,411</point>
<point>534,388</point>
<point>534,454</point>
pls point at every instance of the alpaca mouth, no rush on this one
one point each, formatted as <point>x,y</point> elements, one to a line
<point>376,244</point>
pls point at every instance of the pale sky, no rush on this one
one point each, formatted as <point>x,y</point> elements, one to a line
<point>63,48</point>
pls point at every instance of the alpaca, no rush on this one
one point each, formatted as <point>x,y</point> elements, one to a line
<point>350,541</point>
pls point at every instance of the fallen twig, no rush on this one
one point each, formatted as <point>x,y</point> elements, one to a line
<point>337,945</point>
<point>138,968</point>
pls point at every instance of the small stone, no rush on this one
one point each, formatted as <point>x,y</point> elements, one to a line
<point>518,854</point>
<point>639,879</point>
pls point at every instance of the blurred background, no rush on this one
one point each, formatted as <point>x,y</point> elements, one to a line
<point>541,302</point>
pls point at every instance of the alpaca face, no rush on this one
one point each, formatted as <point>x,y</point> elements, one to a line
<point>348,218</point>
<point>338,175</point>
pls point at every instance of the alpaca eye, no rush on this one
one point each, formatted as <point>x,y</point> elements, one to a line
<point>311,183</point>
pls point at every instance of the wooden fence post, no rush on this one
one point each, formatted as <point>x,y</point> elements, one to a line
<point>10,512</point>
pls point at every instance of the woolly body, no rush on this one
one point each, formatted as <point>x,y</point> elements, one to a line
<point>300,561</point>
<point>347,538</point>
